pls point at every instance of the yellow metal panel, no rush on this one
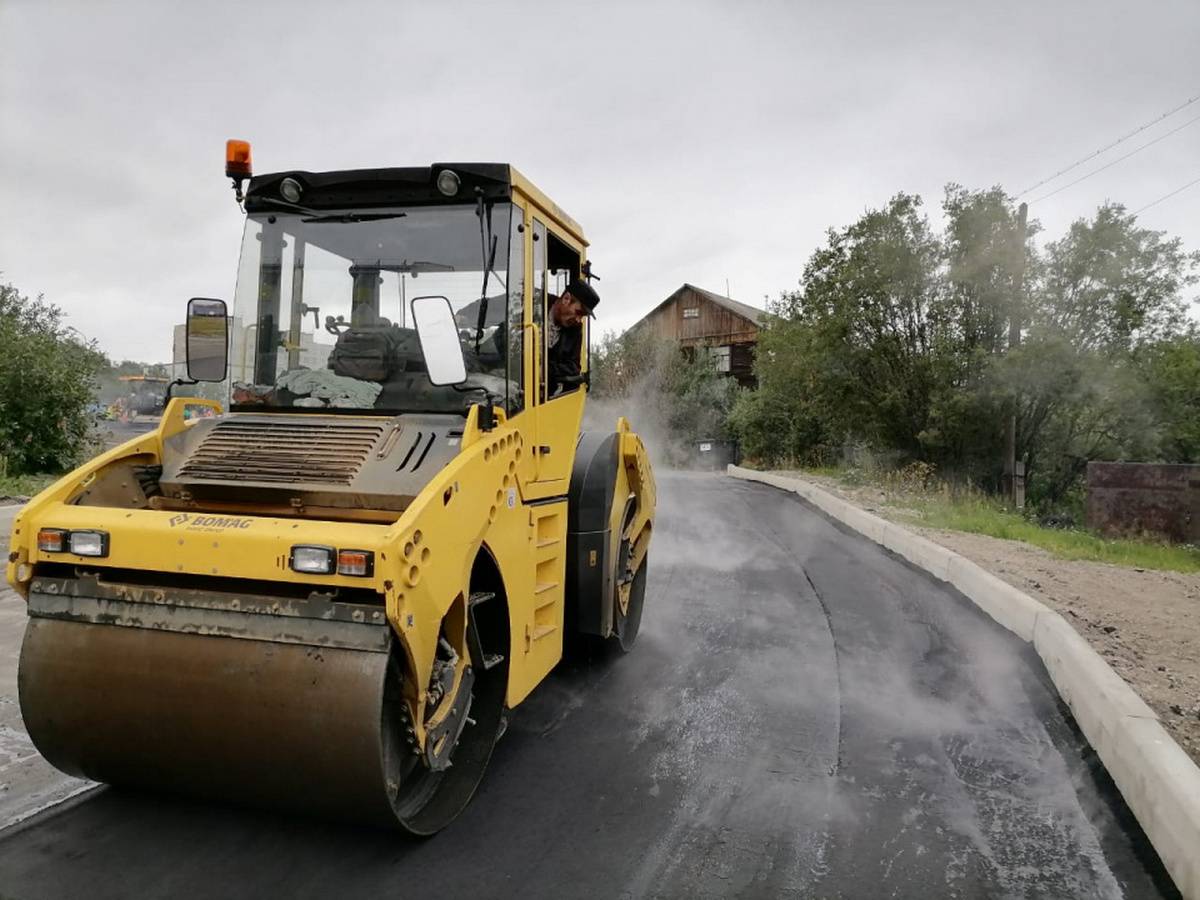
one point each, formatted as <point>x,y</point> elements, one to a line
<point>573,231</point>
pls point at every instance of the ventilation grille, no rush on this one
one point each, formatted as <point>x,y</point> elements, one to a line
<point>283,452</point>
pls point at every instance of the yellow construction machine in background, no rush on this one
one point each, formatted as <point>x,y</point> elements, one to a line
<point>329,597</point>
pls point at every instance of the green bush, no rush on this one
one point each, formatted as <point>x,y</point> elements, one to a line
<point>47,386</point>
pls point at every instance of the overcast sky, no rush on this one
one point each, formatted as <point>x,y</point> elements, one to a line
<point>696,141</point>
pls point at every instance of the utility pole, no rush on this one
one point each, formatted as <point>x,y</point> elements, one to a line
<point>1014,471</point>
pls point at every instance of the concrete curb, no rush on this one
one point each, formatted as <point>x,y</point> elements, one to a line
<point>1158,780</point>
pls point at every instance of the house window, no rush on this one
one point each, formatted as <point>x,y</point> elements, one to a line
<point>720,357</point>
<point>693,313</point>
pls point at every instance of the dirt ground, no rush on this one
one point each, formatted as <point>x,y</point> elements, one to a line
<point>1145,623</point>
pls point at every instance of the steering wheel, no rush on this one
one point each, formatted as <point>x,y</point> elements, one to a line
<point>336,326</point>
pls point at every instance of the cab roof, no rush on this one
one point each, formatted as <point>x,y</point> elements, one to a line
<point>410,186</point>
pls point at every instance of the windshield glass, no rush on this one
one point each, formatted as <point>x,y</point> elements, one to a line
<point>323,315</point>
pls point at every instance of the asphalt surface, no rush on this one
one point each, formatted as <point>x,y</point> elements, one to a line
<point>804,716</point>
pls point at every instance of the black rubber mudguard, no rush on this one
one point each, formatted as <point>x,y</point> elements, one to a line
<point>589,587</point>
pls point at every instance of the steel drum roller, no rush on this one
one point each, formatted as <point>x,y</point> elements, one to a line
<point>253,721</point>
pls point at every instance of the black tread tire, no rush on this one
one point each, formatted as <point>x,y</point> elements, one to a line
<point>627,626</point>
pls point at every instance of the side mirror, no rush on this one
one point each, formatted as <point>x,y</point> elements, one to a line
<point>438,334</point>
<point>207,339</point>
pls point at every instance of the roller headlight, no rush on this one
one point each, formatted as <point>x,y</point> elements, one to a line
<point>312,560</point>
<point>89,543</point>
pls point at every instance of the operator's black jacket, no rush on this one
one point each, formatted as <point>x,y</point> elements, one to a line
<point>564,358</point>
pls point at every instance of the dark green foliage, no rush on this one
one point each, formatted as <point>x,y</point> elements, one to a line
<point>1108,286</point>
<point>870,317</point>
<point>898,341</point>
<point>47,386</point>
<point>1171,368</point>
<point>782,420</point>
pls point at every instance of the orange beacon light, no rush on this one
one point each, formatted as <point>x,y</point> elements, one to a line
<point>237,159</point>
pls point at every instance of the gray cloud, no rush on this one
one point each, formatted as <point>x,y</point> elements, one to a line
<point>694,141</point>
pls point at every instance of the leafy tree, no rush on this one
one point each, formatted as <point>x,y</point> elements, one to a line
<point>898,340</point>
<point>780,421</point>
<point>867,319</point>
<point>981,253</point>
<point>981,256</point>
<point>47,386</point>
<point>1105,290</point>
<point>1109,285</point>
<point>1171,369</point>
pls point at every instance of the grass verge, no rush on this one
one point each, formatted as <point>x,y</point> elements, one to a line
<point>978,514</point>
<point>25,485</point>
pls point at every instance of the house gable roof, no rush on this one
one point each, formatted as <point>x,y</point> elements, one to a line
<point>750,313</point>
<point>745,310</point>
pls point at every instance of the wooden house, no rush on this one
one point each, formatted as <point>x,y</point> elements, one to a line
<point>693,317</point>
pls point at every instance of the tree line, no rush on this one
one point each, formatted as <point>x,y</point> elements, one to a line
<point>896,346</point>
<point>54,384</point>
<point>48,379</point>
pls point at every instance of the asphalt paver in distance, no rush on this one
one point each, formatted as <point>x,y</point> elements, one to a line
<point>804,715</point>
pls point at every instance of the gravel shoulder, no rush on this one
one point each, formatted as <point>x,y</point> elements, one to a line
<point>1145,623</point>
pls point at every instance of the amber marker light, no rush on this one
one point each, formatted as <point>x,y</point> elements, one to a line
<point>237,159</point>
<point>52,540</point>
<point>356,562</point>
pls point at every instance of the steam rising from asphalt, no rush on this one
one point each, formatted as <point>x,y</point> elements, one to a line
<point>647,409</point>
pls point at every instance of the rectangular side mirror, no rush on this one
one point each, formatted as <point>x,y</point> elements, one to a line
<point>207,339</point>
<point>440,345</point>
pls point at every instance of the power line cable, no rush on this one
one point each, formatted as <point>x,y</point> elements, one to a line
<point>1104,150</point>
<point>1167,196</point>
<point>1119,159</point>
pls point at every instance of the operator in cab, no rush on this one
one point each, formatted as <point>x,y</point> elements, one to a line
<point>564,334</point>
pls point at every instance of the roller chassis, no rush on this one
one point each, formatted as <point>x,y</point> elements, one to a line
<point>215,602</point>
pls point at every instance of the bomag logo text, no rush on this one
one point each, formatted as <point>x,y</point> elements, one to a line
<point>209,523</point>
<point>218,522</point>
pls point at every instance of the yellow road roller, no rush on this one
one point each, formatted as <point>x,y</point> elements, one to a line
<point>328,593</point>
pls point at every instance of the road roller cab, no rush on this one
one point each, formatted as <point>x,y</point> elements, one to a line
<point>329,593</point>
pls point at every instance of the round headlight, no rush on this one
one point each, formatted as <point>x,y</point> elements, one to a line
<point>447,182</point>
<point>289,189</point>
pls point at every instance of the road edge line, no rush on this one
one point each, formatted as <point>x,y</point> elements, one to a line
<point>1159,781</point>
<point>68,801</point>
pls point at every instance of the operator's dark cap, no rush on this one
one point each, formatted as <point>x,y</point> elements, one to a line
<point>584,293</point>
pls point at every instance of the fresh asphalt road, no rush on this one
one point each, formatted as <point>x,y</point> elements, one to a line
<point>803,716</point>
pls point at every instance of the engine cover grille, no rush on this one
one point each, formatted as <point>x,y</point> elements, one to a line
<point>283,452</point>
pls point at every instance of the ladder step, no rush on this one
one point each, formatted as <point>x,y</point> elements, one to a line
<point>548,542</point>
<point>544,586</point>
<point>542,631</point>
